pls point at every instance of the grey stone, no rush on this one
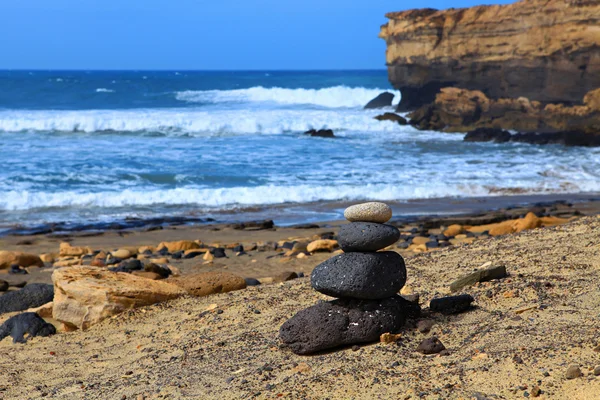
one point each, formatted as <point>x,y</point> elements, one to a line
<point>367,236</point>
<point>360,275</point>
<point>373,211</point>
<point>31,296</point>
<point>483,275</point>
<point>344,322</point>
<point>29,323</point>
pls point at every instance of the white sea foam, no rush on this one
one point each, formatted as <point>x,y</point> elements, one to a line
<point>332,97</point>
<point>192,121</point>
<point>104,90</point>
<point>228,198</point>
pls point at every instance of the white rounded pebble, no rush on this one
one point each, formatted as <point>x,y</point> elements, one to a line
<point>373,211</point>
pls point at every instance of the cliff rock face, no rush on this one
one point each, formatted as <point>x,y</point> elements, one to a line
<point>544,50</point>
<point>460,110</point>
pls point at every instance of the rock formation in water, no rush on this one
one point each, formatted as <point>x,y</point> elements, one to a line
<point>460,110</point>
<point>543,50</point>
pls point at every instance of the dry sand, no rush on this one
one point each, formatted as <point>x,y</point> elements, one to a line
<point>525,331</point>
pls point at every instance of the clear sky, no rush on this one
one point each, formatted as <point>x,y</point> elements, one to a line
<point>199,34</point>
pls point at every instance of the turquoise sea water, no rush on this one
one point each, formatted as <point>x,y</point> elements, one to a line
<point>100,146</point>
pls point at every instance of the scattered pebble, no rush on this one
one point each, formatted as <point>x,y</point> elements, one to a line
<point>431,345</point>
<point>573,372</point>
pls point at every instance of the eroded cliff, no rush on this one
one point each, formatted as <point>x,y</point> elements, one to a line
<point>544,50</point>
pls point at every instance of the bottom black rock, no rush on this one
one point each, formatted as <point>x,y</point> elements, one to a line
<point>344,322</point>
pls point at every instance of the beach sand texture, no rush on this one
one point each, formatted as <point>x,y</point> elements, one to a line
<point>525,332</point>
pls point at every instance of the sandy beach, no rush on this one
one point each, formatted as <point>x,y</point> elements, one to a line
<point>518,341</point>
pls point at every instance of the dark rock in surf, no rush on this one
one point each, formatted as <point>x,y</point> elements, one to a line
<point>488,135</point>
<point>326,133</point>
<point>382,100</point>
<point>392,117</point>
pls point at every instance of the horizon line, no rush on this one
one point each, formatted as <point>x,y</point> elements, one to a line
<point>185,70</point>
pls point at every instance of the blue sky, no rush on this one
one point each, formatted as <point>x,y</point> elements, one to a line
<point>199,34</point>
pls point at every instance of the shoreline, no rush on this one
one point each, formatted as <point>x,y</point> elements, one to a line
<point>318,213</point>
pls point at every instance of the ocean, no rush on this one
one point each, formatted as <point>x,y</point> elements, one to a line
<point>110,145</point>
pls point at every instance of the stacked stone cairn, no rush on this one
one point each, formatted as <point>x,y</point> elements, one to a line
<point>365,282</point>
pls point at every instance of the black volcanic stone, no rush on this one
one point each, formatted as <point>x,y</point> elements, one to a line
<point>360,275</point>
<point>367,236</point>
<point>163,271</point>
<point>29,323</point>
<point>31,296</point>
<point>219,252</point>
<point>252,281</point>
<point>3,286</point>
<point>344,322</point>
<point>451,304</point>
<point>128,266</point>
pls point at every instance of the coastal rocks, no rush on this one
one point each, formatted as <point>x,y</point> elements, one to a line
<point>3,286</point>
<point>342,322</point>
<point>322,245</point>
<point>454,230</point>
<point>382,100</point>
<point>325,133</point>
<point>26,323</point>
<point>392,117</point>
<point>85,296</point>
<point>544,50</point>
<point>181,245</point>
<point>487,120</point>
<point>369,212</point>
<point>9,258</point>
<point>360,275</point>
<point>570,138</point>
<point>367,236</point>
<point>31,296</point>
<point>206,283</point>
<point>488,135</point>
<point>366,284</point>
<point>66,250</point>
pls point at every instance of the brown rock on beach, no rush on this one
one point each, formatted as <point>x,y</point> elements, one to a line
<point>84,296</point>
<point>206,283</point>
<point>8,258</point>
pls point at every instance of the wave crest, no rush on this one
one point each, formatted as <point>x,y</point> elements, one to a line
<point>331,97</point>
<point>192,121</point>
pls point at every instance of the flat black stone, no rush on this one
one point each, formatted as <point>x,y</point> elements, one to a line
<point>29,323</point>
<point>344,322</point>
<point>451,304</point>
<point>31,296</point>
<point>367,236</point>
<point>360,275</point>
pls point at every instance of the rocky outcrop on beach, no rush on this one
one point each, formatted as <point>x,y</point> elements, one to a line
<point>544,50</point>
<point>460,110</point>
